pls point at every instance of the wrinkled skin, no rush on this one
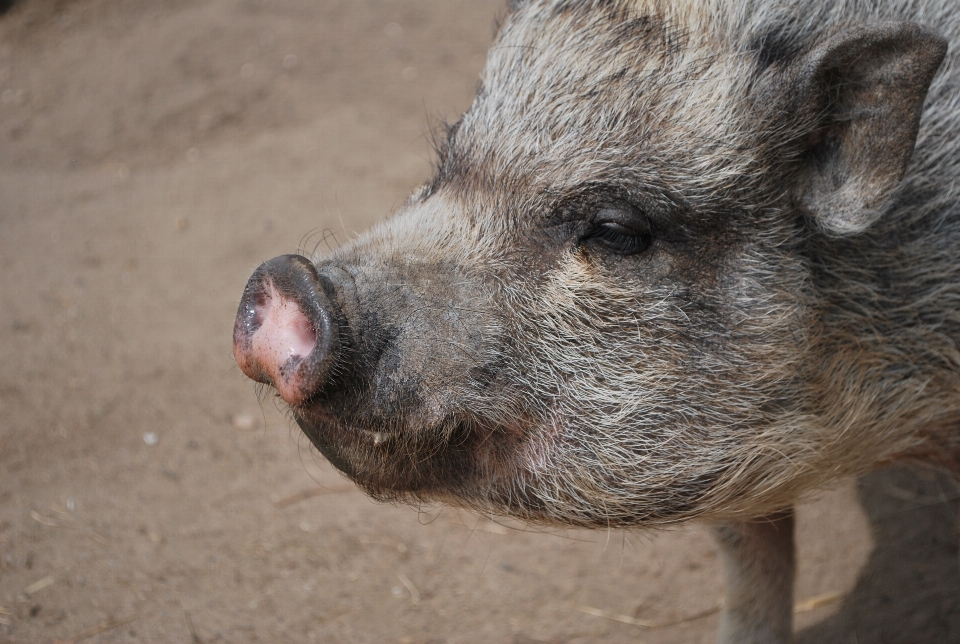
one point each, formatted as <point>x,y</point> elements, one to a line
<point>657,274</point>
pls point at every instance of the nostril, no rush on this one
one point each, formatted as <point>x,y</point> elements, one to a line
<point>261,302</point>
<point>285,333</point>
<point>301,337</point>
<point>282,328</point>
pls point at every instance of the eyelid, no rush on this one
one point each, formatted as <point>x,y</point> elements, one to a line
<point>627,217</point>
<point>617,227</point>
<point>613,214</point>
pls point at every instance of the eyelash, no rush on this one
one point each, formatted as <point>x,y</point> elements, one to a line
<point>621,239</point>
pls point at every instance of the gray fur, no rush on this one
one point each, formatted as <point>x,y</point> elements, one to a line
<point>789,324</point>
<point>720,381</point>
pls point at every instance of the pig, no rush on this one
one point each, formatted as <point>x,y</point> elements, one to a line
<point>678,260</point>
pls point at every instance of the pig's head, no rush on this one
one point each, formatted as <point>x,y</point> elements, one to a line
<point>600,310</point>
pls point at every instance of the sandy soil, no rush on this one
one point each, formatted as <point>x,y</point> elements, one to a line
<point>151,155</point>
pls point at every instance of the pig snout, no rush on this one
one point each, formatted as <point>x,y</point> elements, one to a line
<point>286,331</point>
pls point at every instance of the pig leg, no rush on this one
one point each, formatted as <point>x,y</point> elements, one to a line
<point>758,565</point>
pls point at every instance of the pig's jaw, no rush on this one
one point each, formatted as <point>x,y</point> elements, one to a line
<point>452,461</point>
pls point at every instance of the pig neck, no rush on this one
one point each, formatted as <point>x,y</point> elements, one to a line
<point>890,329</point>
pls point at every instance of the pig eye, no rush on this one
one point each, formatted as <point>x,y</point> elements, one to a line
<point>620,238</point>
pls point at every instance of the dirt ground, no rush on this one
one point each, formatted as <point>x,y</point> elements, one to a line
<point>152,154</point>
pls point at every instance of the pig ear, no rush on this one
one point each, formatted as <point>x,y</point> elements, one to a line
<point>863,91</point>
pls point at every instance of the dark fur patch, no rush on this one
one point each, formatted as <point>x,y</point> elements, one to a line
<point>774,47</point>
<point>447,162</point>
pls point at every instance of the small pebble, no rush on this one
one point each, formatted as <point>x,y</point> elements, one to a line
<point>243,421</point>
<point>151,438</point>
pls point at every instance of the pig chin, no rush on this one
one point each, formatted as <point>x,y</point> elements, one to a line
<point>413,463</point>
<point>496,468</point>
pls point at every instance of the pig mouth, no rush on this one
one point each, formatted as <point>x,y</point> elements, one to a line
<point>378,437</point>
<point>422,463</point>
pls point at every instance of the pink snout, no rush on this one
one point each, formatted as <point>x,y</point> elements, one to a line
<point>285,334</point>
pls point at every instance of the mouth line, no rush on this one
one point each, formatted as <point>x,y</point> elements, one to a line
<point>333,429</point>
<point>378,438</point>
<point>347,429</point>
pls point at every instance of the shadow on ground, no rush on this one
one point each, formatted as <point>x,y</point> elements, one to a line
<point>909,590</point>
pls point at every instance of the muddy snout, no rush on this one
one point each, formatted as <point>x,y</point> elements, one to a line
<point>286,333</point>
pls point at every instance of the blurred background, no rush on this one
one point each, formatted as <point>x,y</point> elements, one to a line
<point>152,154</point>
